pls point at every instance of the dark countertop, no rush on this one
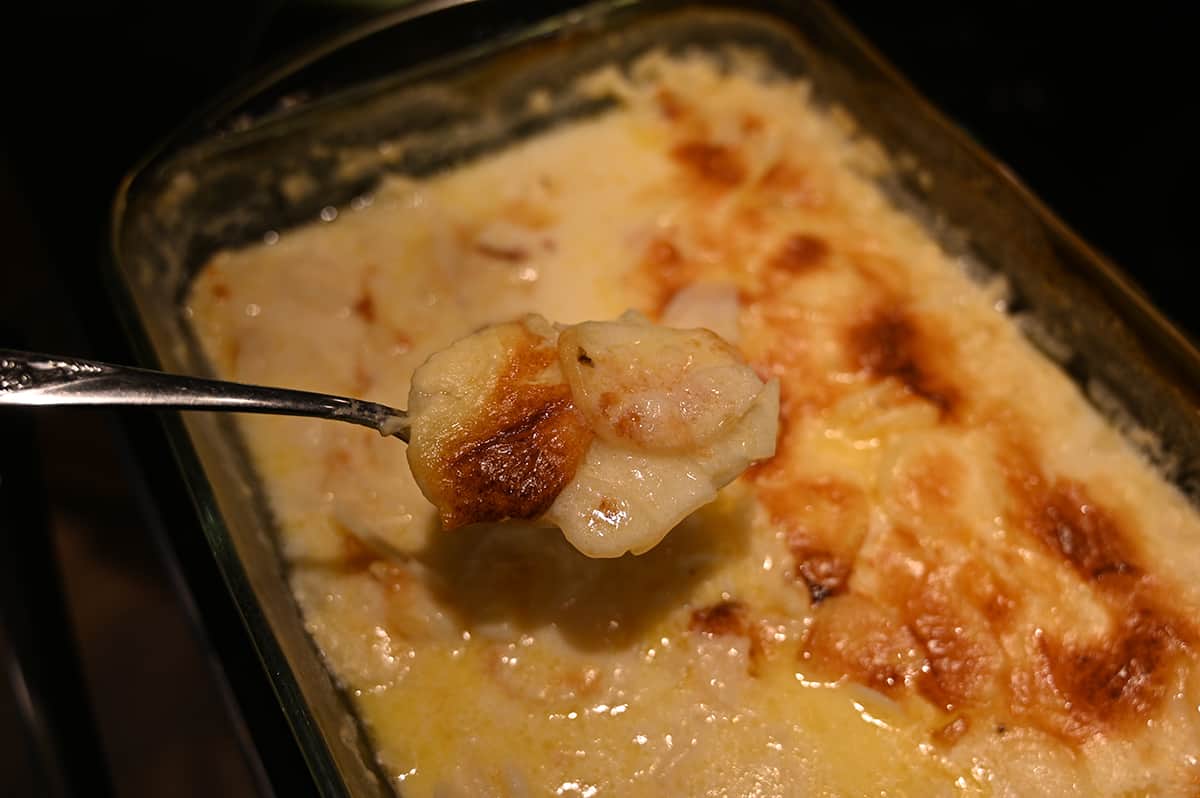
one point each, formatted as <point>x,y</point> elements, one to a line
<point>1088,108</point>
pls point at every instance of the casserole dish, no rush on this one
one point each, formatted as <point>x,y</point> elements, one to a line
<point>319,135</point>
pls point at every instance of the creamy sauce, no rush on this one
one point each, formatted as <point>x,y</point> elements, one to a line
<point>953,577</point>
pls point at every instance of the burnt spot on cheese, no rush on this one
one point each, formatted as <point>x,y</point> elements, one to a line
<point>890,344</point>
<point>925,645</point>
<point>509,254</point>
<point>220,290</point>
<point>713,164</point>
<point>1063,516</point>
<point>800,253</point>
<point>824,573</point>
<point>1130,676</point>
<point>723,618</point>
<point>1072,525</point>
<point>1076,690</point>
<point>517,469</point>
<point>1122,676</point>
<point>825,522</point>
<point>522,451</point>
<point>364,308</point>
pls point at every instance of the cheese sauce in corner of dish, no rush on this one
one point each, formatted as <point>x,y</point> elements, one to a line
<point>953,577</point>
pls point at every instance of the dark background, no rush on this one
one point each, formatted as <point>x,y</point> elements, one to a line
<point>1090,105</point>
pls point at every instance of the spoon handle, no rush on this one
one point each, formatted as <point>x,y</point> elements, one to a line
<point>37,380</point>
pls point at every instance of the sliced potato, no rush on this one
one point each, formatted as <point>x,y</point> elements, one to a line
<point>613,431</point>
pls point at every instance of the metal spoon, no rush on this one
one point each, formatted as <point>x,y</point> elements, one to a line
<point>36,380</point>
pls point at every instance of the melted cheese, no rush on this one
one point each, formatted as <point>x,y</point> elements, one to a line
<point>953,576</point>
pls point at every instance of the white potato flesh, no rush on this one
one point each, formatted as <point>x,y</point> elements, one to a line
<point>653,387</point>
<point>625,499</point>
<point>614,431</point>
<point>711,305</point>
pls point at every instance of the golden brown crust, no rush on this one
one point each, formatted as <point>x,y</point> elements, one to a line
<point>1077,688</point>
<point>891,343</point>
<point>722,618</point>
<point>799,253</point>
<point>522,450</point>
<point>1074,527</point>
<point>1123,677</point>
<point>517,469</point>
<point>364,308</point>
<point>853,637</point>
<point>961,635</point>
<point>714,164</point>
<point>826,522</point>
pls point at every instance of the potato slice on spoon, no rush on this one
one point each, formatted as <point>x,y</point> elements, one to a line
<point>613,431</point>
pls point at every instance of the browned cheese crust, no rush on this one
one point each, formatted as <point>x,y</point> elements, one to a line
<point>519,452</point>
<point>953,635</point>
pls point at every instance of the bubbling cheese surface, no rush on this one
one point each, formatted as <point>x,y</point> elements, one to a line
<point>953,577</point>
<point>614,431</point>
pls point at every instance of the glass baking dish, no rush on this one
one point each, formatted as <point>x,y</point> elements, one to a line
<point>441,82</point>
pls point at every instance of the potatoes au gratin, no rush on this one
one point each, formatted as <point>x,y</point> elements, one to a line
<point>952,577</point>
